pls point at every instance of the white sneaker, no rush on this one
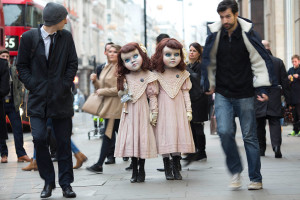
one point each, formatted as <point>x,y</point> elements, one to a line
<point>236,182</point>
<point>255,186</point>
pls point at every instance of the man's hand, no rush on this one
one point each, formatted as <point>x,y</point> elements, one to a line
<point>211,91</point>
<point>262,97</point>
<point>295,75</point>
<point>93,77</point>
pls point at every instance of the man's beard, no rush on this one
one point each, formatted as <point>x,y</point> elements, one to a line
<point>228,26</point>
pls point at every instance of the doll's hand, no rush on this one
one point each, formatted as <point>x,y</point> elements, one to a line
<point>153,118</point>
<point>189,115</point>
<point>121,93</point>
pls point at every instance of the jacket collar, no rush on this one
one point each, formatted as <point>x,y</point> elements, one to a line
<point>245,24</point>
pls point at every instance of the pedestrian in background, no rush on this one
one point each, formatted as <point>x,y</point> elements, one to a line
<point>199,102</point>
<point>294,77</point>
<point>237,65</point>
<point>106,88</point>
<point>12,104</point>
<point>271,110</point>
<point>4,90</point>
<point>47,71</point>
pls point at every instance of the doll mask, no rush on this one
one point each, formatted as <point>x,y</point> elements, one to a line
<point>132,60</point>
<point>171,57</point>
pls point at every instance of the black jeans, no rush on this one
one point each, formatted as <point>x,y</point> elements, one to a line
<point>107,143</point>
<point>199,136</point>
<point>63,131</point>
<point>275,131</point>
<point>296,125</point>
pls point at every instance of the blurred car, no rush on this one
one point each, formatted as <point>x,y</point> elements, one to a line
<point>78,101</point>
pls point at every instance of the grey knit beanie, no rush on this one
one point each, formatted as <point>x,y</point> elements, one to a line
<point>54,13</point>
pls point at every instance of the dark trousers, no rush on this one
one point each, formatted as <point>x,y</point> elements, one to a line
<point>16,124</point>
<point>107,143</point>
<point>275,131</point>
<point>296,125</point>
<point>63,131</point>
<point>199,136</point>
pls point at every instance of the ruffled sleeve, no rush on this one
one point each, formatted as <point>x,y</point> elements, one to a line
<point>186,86</point>
<point>152,92</point>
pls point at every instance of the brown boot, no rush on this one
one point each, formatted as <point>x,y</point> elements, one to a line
<point>32,166</point>
<point>80,158</point>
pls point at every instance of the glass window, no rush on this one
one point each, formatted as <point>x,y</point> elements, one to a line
<point>13,14</point>
<point>34,16</point>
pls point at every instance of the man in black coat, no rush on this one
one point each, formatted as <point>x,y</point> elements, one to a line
<point>271,109</point>
<point>4,90</point>
<point>47,71</point>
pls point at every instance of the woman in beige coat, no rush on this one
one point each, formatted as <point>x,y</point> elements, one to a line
<point>106,88</point>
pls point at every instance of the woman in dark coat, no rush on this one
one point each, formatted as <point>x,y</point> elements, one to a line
<point>199,102</point>
<point>4,90</point>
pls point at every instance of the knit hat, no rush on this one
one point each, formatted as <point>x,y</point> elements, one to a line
<point>54,13</point>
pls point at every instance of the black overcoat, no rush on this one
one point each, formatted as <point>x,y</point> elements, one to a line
<point>199,99</point>
<point>4,90</point>
<point>273,106</point>
<point>49,82</point>
<point>295,85</point>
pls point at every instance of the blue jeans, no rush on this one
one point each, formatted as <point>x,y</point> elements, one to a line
<point>15,120</point>
<point>226,109</point>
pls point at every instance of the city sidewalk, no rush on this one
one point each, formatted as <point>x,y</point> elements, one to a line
<point>201,180</point>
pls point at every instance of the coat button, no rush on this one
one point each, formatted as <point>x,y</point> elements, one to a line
<point>177,76</point>
<point>142,80</point>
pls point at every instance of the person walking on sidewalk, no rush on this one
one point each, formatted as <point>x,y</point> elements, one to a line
<point>237,65</point>
<point>47,68</point>
<point>12,104</point>
<point>294,77</point>
<point>4,90</point>
<point>271,110</point>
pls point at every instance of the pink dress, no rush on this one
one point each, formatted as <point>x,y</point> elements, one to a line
<point>173,132</point>
<point>136,136</point>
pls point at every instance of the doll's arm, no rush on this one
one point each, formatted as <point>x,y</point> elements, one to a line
<point>187,85</point>
<point>152,92</point>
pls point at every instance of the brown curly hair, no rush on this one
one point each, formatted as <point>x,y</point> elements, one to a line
<point>122,70</point>
<point>157,59</point>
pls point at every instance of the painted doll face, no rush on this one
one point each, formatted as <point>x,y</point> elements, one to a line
<point>171,57</point>
<point>132,60</point>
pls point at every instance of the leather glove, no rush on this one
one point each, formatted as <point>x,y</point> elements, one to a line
<point>189,115</point>
<point>153,118</point>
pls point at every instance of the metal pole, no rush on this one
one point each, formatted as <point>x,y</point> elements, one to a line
<point>145,23</point>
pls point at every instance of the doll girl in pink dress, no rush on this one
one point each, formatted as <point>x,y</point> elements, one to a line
<point>172,131</point>
<point>135,84</point>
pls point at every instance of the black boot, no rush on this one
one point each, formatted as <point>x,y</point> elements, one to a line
<point>168,169</point>
<point>142,174</point>
<point>277,152</point>
<point>134,170</point>
<point>176,171</point>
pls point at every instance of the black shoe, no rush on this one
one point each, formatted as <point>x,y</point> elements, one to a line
<point>129,167</point>
<point>277,152</point>
<point>125,158</point>
<point>160,169</point>
<point>110,161</point>
<point>134,170</point>
<point>47,191</point>
<point>69,193</point>
<point>189,159</point>
<point>201,156</point>
<point>168,169</point>
<point>95,168</point>
<point>175,167</point>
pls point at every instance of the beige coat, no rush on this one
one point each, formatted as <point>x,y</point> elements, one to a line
<point>111,106</point>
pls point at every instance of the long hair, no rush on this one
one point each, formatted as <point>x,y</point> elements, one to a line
<point>122,70</point>
<point>157,62</point>
<point>199,49</point>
